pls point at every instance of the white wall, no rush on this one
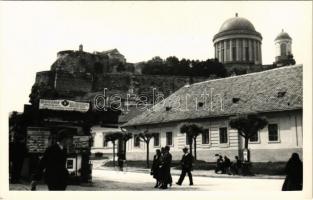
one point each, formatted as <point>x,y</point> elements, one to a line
<point>98,134</point>
<point>289,131</point>
<point>289,128</point>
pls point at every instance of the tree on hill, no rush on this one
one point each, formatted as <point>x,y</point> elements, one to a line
<point>173,66</point>
<point>155,66</point>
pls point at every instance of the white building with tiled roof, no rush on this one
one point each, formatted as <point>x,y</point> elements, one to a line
<point>275,94</point>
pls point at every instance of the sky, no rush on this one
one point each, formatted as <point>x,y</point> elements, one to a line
<point>31,33</point>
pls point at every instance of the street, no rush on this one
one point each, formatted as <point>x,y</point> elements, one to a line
<point>113,180</point>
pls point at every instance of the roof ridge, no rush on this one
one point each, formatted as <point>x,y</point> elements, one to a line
<point>250,74</point>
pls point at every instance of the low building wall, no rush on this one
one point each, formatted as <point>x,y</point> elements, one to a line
<point>259,155</point>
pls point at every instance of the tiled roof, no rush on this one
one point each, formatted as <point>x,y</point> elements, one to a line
<point>129,113</point>
<point>268,91</point>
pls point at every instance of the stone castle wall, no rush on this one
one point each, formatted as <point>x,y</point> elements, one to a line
<point>45,77</point>
<point>73,82</point>
<point>143,84</point>
<point>64,81</point>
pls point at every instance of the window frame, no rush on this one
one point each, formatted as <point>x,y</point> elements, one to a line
<point>219,134</point>
<point>187,140</point>
<point>268,133</point>
<point>159,141</point>
<point>257,141</point>
<point>283,49</point>
<point>207,132</point>
<point>172,138</point>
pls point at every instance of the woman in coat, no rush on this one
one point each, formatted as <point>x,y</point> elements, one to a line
<point>166,177</point>
<point>294,174</point>
<point>155,168</point>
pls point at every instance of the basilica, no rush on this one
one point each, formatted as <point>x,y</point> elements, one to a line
<point>238,45</point>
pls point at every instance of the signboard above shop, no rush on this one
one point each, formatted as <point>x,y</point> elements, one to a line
<point>64,105</point>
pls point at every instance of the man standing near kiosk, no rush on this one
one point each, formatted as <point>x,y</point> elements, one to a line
<point>54,164</point>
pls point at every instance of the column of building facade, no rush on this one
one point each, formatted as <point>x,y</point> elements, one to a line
<point>219,51</point>
<point>237,50</point>
<point>214,50</point>
<point>231,50</point>
<point>260,52</point>
<point>250,50</point>
<point>222,51</point>
<point>254,50</point>
<point>244,44</point>
<point>225,52</point>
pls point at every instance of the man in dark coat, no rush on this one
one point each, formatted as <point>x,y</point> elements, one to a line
<point>294,171</point>
<point>236,166</point>
<point>54,164</point>
<point>219,164</point>
<point>227,164</point>
<point>186,164</point>
<point>166,178</point>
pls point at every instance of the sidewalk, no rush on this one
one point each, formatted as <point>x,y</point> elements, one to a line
<point>98,164</point>
<point>109,180</point>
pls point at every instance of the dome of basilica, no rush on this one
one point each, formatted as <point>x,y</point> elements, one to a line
<point>237,23</point>
<point>237,42</point>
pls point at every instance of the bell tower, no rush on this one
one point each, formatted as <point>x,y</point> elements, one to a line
<point>283,46</point>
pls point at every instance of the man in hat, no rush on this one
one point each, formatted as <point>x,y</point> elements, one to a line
<point>186,165</point>
<point>54,164</point>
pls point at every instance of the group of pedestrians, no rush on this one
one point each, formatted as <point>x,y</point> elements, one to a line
<point>225,166</point>
<point>161,168</point>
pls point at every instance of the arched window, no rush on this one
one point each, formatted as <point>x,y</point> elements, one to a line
<point>283,49</point>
